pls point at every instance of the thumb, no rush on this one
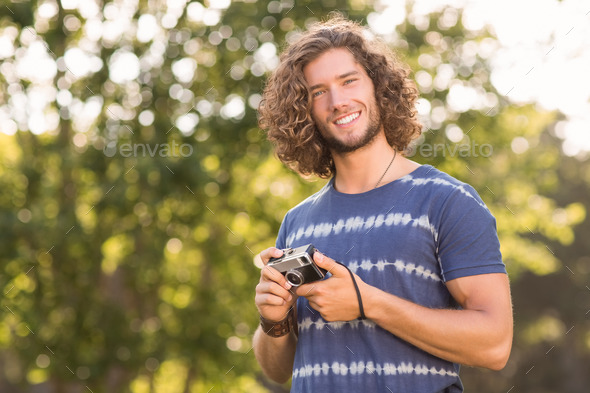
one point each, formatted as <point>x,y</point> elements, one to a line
<point>327,263</point>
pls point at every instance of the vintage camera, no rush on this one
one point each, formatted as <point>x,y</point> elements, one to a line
<point>297,265</point>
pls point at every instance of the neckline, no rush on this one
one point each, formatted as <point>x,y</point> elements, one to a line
<point>384,187</point>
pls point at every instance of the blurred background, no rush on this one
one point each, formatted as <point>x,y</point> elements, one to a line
<point>136,187</point>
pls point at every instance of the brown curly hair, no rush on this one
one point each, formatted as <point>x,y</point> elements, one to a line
<point>285,108</point>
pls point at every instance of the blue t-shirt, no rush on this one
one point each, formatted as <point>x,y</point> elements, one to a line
<point>407,238</point>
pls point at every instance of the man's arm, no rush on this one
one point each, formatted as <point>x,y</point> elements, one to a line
<point>479,334</point>
<point>275,354</point>
<point>274,299</point>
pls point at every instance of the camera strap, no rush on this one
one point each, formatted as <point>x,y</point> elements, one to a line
<point>358,292</point>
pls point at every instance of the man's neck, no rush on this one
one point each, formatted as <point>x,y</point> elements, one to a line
<point>370,167</point>
<point>366,168</point>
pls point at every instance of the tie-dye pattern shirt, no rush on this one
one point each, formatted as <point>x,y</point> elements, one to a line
<point>407,238</point>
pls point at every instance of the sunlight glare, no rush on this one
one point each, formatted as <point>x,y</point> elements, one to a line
<point>123,67</point>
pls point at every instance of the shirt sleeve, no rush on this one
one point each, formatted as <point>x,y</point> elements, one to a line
<point>468,242</point>
<point>281,241</point>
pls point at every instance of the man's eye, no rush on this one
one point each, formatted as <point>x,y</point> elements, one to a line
<point>348,81</point>
<point>317,93</point>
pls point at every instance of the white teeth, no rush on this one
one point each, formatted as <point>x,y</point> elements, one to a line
<point>347,119</point>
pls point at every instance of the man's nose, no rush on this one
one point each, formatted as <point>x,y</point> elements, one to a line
<point>338,99</point>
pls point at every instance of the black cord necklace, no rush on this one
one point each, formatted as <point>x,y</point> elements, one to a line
<point>388,166</point>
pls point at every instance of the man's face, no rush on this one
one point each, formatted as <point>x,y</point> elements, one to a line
<point>344,107</point>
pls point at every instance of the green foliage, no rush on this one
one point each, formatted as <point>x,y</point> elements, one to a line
<point>131,213</point>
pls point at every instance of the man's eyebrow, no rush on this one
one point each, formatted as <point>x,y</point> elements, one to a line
<point>347,74</point>
<point>339,77</point>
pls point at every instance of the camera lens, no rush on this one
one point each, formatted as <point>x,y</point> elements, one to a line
<point>294,277</point>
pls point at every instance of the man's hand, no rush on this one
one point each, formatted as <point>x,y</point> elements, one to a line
<point>335,298</point>
<point>274,297</point>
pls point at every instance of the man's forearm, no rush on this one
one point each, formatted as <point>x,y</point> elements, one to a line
<point>475,336</point>
<point>275,354</point>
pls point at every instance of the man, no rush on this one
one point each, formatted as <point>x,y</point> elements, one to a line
<point>419,246</point>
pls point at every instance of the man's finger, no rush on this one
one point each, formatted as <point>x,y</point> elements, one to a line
<point>274,292</point>
<point>333,267</point>
<point>306,290</point>
<point>265,255</point>
<point>272,274</point>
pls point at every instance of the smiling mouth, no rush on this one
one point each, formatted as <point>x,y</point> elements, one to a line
<point>347,119</point>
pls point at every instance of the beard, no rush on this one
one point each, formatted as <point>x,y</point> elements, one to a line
<point>342,146</point>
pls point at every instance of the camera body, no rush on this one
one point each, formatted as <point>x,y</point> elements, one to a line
<point>297,265</point>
